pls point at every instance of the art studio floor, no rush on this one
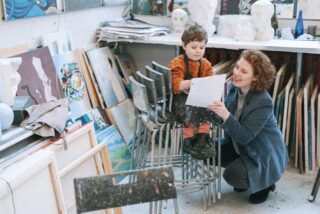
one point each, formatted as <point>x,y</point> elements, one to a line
<point>290,197</point>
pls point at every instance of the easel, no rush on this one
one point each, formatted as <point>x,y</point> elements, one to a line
<point>315,187</point>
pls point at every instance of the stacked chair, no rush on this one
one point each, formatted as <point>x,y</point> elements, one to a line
<point>159,136</point>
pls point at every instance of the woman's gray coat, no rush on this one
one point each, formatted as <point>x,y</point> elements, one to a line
<point>260,141</point>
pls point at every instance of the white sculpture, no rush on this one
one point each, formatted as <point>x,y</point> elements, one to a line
<point>227,25</point>
<point>202,12</point>
<point>179,19</point>
<point>261,13</point>
<point>6,117</point>
<point>9,79</point>
<point>244,31</point>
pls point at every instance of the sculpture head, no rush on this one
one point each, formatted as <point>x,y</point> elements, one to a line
<point>261,13</point>
<point>179,19</point>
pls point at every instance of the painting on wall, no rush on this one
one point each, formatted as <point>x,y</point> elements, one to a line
<point>18,9</point>
<point>310,9</point>
<point>38,77</point>
<point>150,7</point>
<point>284,8</point>
<point>236,7</point>
<point>72,5</point>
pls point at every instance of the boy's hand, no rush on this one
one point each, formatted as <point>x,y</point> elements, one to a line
<point>220,109</point>
<point>184,85</point>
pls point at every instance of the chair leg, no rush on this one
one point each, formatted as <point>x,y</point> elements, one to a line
<point>315,187</point>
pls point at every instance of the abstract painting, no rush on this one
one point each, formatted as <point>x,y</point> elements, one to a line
<point>236,7</point>
<point>310,9</point>
<point>284,8</point>
<point>72,5</point>
<point>39,79</point>
<point>150,7</point>
<point>73,83</point>
<point>17,9</point>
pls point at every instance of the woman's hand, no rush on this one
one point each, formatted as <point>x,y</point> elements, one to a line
<point>220,109</point>
<point>184,85</point>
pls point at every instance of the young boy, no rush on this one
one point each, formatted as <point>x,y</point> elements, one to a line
<point>191,64</point>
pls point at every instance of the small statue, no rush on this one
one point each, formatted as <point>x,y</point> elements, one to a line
<point>244,31</point>
<point>202,12</point>
<point>179,19</point>
<point>261,13</point>
<point>9,79</point>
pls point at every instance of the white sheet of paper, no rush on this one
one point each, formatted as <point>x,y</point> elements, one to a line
<point>206,90</point>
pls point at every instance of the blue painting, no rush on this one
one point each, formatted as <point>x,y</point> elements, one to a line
<point>119,153</point>
<point>17,9</point>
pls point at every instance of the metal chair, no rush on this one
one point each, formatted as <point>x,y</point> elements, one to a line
<point>149,185</point>
<point>315,187</point>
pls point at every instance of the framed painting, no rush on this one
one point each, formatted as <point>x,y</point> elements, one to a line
<point>39,79</point>
<point>150,7</point>
<point>284,8</point>
<point>72,5</point>
<point>18,9</point>
<point>126,67</point>
<point>236,7</point>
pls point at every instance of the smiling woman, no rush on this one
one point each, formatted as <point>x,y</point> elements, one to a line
<point>254,154</point>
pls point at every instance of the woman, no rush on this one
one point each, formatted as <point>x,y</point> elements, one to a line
<point>253,154</point>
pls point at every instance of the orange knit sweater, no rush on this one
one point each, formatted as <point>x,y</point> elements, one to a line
<point>178,70</point>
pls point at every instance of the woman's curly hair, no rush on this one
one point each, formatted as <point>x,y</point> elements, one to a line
<point>263,69</point>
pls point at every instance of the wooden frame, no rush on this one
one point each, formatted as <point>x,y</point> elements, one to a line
<point>36,174</point>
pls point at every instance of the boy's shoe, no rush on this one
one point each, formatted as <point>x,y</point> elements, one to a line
<point>203,147</point>
<point>187,144</point>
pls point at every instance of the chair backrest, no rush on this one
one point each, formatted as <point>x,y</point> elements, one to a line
<point>99,192</point>
<point>167,79</point>
<point>160,86</point>
<point>139,95</point>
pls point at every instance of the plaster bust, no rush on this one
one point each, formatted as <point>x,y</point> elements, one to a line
<point>244,31</point>
<point>202,12</point>
<point>261,13</point>
<point>179,19</point>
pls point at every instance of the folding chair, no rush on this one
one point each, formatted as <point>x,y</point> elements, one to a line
<point>149,185</point>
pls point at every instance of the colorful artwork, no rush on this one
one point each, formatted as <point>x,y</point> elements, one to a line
<point>38,77</point>
<point>17,9</point>
<point>95,116</point>
<point>150,7</point>
<point>72,5</point>
<point>73,83</point>
<point>119,153</point>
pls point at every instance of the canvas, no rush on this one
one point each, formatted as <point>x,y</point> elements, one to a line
<point>284,8</point>
<point>71,77</point>
<point>93,115</point>
<point>310,9</point>
<point>126,67</point>
<point>236,7</point>
<point>72,5</point>
<point>39,79</point>
<point>124,119</point>
<point>313,132</point>
<point>286,100</point>
<point>150,7</point>
<point>18,9</point>
<point>119,153</point>
<point>107,76</point>
<point>299,162</point>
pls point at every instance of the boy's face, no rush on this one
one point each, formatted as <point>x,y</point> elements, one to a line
<point>194,50</point>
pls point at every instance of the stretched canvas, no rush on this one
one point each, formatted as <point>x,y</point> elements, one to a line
<point>94,115</point>
<point>106,74</point>
<point>126,67</point>
<point>73,83</point>
<point>284,8</point>
<point>71,5</point>
<point>313,119</point>
<point>124,119</point>
<point>310,9</point>
<point>18,9</point>
<point>119,153</point>
<point>39,79</point>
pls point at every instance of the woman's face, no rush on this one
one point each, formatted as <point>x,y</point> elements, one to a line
<point>243,75</point>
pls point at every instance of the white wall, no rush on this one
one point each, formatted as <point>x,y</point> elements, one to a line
<point>81,24</point>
